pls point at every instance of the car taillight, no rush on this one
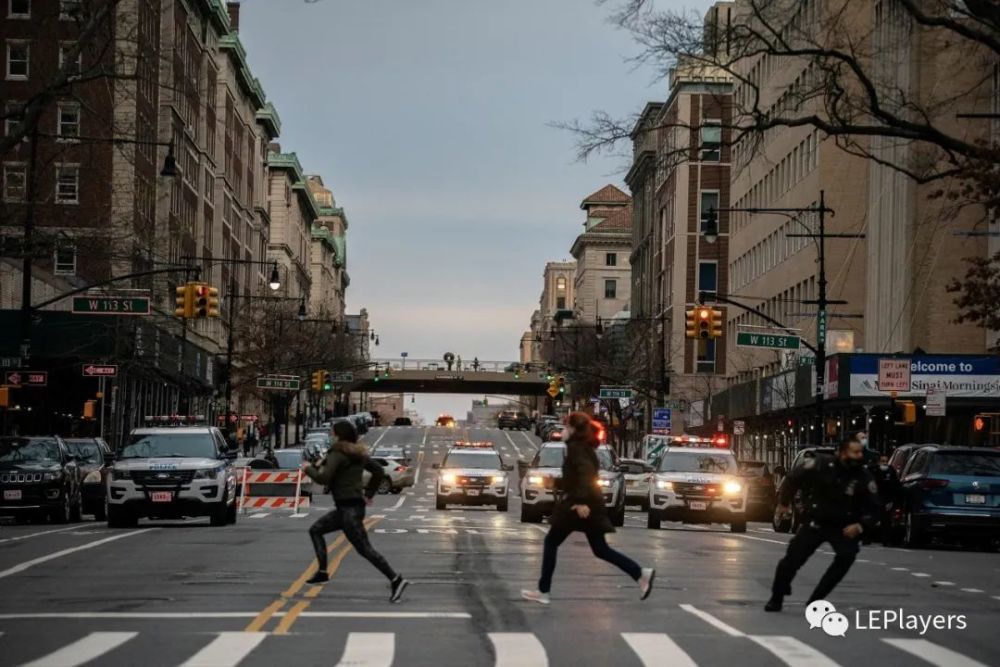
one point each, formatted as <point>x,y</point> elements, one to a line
<point>400,468</point>
<point>933,483</point>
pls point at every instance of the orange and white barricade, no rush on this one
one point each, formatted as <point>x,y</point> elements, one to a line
<point>273,489</point>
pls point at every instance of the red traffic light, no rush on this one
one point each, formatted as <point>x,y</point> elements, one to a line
<point>979,423</point>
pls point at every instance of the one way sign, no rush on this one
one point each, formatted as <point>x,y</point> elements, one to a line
<point>27,378</point>
<point>100,371</point>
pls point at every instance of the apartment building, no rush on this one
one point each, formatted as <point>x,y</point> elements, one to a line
<point>603,278</point>
<point>328,259</point>
<point>292,211</point>
<point>558,294</point>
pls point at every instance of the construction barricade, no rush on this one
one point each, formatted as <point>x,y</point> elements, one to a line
<point>274,489</point>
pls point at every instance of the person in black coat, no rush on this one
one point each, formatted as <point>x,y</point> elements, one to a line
<point>580,506</point>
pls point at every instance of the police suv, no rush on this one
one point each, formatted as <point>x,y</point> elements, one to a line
<point>539,484</point>
<point>174,471</point>
<point>472,474</point>
<point>696,481</point>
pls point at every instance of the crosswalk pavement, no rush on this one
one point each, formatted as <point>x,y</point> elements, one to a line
<point>509,649</point>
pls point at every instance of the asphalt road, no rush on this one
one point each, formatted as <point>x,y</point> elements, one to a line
<point>171,593</point>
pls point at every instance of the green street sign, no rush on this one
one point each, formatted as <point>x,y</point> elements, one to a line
<point>111,305</point>
<point>615,392</point>
<point>341,378</point>
<point>279,383</point>
<point>770,341</point>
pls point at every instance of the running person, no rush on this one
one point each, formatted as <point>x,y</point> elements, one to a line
<point>581,507</point>
<point>341,471</point>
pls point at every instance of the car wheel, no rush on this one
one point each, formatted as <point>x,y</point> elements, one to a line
<point>441,504</point>
<point>232,513</point>
<point>384,486</point>
<point>914,537</point>
<point>220,512</point>
<point>502,505</point>
<point>653,520</point>
<point>62,513</point>
<point>738,526</point>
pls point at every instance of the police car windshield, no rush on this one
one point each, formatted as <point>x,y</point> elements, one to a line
<point>551,457</point>
<point>170,445</point>
<point>18,450</point>
<point>604,459</point>
<point>697,462</point>
<point>488,461</point>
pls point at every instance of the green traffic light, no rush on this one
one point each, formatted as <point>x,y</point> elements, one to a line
<point>327,387</point>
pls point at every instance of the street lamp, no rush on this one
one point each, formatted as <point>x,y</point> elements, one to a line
<point>274,282</point>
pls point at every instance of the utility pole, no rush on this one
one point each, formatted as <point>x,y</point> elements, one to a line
<point>28,249</point>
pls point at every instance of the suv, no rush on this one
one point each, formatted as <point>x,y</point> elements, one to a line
<point>540,483</point>
<point>169,473</point>
<point>513,420</point>
<point>39,474</point>
<point>472,474</point>
<point>698,485</point>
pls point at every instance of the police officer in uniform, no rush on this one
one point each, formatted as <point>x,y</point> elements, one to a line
<point>842,503</point>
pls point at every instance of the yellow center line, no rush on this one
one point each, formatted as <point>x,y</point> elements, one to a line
<point>334,566</point>
<point>263,617</point>
<point>311,570</point>
<point>290,617</point>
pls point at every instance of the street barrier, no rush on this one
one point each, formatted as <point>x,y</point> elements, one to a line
<point>269,484</point>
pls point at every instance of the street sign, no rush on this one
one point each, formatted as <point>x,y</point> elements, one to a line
<point>607,393</point>
<point>770,341</point>
<point>111,305</point>
<point>936,402</point>
<point>10,362</point>
<point>739,427</point>
<point>894,375</point>
<point>340,378</point>
<point>27,378</point>
<point>661,421</point>
<point>282,383</point>
<point>100,371</point>
<point>553,391</point>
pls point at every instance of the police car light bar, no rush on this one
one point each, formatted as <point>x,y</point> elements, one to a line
<point>477,443</point>
<point>175,420</point>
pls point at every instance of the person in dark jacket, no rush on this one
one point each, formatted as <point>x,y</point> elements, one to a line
<point>842,504</point>
<point>580,506</point>
<point>341,471</point>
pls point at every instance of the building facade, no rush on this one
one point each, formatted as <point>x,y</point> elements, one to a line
<point>328,260</point>
<point>603,279</point>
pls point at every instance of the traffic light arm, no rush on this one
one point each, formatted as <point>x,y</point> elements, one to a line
<point>704,296</point>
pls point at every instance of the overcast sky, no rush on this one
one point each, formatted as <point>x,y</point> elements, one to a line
<point>429,121</point>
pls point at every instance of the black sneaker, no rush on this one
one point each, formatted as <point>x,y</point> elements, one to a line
<point>774,604</point>
<point>318,578</point>
<point>398,586</point>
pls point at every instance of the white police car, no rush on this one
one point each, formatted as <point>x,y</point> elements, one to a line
<point>697,482</point>
<point>539,483</point>
<point>472,474</point>
<point>170,473</point>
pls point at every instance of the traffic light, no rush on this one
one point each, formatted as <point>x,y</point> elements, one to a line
<point>88,409</point>
<point>317,381</point>
<point>691,323</point>
<point>517,372</point>
<point>979,423</point>
<point>4,397</point>
<point>561,384</point>
<point>325,377</point>
<point>184,301</point>
<point>206,300</point>
<point>716,323</point>
<point>904,412</point>
<point>703,317</point>
<point>213,302</point>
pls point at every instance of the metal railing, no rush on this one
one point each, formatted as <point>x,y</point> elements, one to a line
<point>464,365</point>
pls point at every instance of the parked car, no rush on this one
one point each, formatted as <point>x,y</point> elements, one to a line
<point>290,458</point>
<point>402,421</point>
<point>398,475</point>
<point>951,492</point>
<point>790,523</point>
<point>509,419</point>
<point>248,463</point>
<point>637,474</point>
<point>398,452</point>
<point>39,476</point>
<point>761,491</point>
<point>902,454</point>
<point>95,460</point>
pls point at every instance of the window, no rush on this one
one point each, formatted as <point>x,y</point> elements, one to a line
<point>69,9</point>
<point>711,141</point>
<point>64,49</point>
<point>15,181</point>
<point>67,184</point>
<point>611,259</point>
<point>706,356</point>
<point>709,201</point>
<point>68,125</point>
<point>65,261</point>
<point>19,9</point>
<point>708,276</point>
<point>18,57</point>
<point>560,303</point>
<point>12,117</point>
<point>610,289</point>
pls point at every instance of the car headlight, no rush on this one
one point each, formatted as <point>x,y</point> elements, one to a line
<point>535,479</point>
<point>51,476</point>
<point>93,477</point>
<point>604,482</point>
<point>498,479</point>
<point>449,478</point>
<point>120,474</point>
<point>732,487</point>
<point>664,485</point>
<point>206,473</point>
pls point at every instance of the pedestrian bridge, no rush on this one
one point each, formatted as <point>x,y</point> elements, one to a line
<point>435,377</point>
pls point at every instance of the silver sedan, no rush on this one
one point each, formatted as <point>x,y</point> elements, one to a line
<point>398,475</point>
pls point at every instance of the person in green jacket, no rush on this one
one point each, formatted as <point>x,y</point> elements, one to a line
<point>341,472</point>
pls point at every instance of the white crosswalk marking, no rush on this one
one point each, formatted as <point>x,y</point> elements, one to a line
<point>259,515</point>
<point>226,650</point>
<point>518,649</point>
<point>932,653</point>
<point>793,652</point>
<point>368,649</point>
<point>657,649</point>
<point>83,650</point>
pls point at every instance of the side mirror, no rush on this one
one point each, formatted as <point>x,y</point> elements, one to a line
<point>436,466</point>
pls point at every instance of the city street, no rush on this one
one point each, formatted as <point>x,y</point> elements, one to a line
<point>170,593</point>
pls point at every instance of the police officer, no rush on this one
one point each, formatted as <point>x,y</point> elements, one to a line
<point>842,504</point>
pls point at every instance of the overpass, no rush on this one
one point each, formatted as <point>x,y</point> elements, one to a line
<point>433,377</point>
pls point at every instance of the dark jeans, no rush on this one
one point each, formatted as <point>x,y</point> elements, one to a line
<point>802,546</point>
<point>558,534</point>
<point>351,521</point>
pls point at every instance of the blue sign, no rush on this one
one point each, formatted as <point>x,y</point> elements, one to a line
<point>661,421</point>
<point>954,376</point>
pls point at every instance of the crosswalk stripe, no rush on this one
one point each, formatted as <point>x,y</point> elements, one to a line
<point>259,515</point>
<point>83,650</point>
<point>518,649</point>
<point>933,653</point>
<point>226,650</point>
<point>368,649</point>
<point>793,652</point>
<point>657,649</point>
